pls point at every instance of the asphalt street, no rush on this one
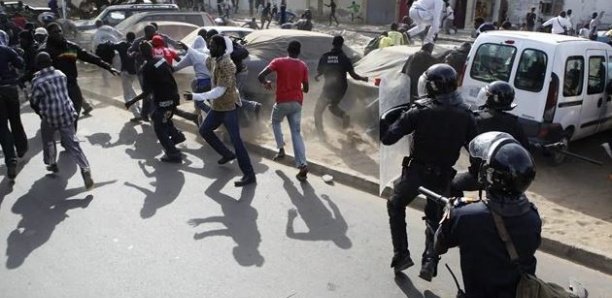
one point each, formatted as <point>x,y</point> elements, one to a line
<point>150,229</point>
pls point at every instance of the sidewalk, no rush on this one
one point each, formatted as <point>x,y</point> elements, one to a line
<point>352,159</point>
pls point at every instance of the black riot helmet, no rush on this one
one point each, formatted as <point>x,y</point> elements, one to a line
<point>507,169</point>
<point>440,79</point>
<point>500,96</point>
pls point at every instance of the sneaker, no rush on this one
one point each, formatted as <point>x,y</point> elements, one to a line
<point>11,170</point>
<point>53,168</point>
<point>279,155</point>
<point>302,174</point>
<point>171,159</point>
<point>401,263</point>
<point>245,180</point>
<point>86,173</point>
<point>225,160</point>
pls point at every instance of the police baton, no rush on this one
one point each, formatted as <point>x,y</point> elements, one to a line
<point>431,195</point>
<point>559,147</point>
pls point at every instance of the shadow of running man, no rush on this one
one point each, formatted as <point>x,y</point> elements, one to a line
<point>169,181</point>
<point>239,218</point>
<point>322,224</point>
<point>42,209</point>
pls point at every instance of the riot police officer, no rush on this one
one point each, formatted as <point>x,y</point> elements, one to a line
<point>491,116</point>
<point>440,125</point>
<point>507,169</point>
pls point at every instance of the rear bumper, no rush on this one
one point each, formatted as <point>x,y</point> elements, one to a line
<point>540,133</point>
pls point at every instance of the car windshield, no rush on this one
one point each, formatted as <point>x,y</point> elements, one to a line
<point>493,62</point>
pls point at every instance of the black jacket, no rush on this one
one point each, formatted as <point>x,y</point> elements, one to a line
<point>439,129</point>
<point>485,264</point>
<point>65,56</point>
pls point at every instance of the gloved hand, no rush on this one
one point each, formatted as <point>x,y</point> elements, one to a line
<point>390,116</point>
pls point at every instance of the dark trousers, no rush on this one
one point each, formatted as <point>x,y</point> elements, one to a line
<point>404,192</point>
<point>76,96</point>
<point>13,137</point>
<point>464,181</point>
<point>148,105</point>
<point>322,103</point>
<point>165,130</point>
<point>229,119</point>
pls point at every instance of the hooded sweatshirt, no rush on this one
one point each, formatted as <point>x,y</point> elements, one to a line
<point>161,51</point>
<point>196,57</point>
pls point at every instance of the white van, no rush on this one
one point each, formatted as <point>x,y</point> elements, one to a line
<point>562,83</point>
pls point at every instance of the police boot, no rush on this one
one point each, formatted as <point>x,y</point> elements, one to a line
<point>401,255</point>
<point>429,262</point>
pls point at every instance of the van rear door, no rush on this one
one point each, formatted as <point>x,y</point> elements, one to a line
<point>594,105</point>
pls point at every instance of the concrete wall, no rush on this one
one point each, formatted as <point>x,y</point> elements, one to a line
<point>581,10</point>
<point>380,12</point>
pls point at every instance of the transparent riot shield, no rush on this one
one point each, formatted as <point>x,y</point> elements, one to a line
<point>394,90</point>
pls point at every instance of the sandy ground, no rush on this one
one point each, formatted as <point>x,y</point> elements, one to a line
<point>575,199</point>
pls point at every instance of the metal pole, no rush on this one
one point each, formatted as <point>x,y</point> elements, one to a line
<point>64,9</point>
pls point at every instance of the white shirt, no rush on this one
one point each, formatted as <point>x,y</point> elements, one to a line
<point>559,24</point>
<point>435,7</point>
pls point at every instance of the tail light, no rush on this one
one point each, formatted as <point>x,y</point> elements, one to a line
<point>551,99</point>
<point>461,75</point>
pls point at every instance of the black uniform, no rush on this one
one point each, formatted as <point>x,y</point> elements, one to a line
<point>414,67</point>
<point>487,120</point>
<point>334,66</point>
<point>440,128</point>
<point>485,264</point>
<point>65,55</point>
<point>158,80</point>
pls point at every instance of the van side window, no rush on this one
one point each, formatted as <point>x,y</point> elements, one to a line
<point>597,75</point>
<point>493,62</point>
<point>531,70</point>
<point>574,76</point>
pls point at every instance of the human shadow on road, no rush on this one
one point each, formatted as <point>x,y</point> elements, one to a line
<point>127,137</point>
<point>169,181</point>
<point>405,284</point>
<point>42,208</point>
<point>239,219</point>
<point>323,225</point>
<point>145,145</point>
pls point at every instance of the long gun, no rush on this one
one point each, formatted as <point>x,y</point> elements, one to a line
<point>431,195</point>
<point>559,147</point>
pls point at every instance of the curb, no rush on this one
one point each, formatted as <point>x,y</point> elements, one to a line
<point>575,254</point>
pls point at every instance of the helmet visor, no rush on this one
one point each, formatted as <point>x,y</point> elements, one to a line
<point>484,144</point>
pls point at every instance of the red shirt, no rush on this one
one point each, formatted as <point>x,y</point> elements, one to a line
<point>290,73</point>
<point>161,51</point>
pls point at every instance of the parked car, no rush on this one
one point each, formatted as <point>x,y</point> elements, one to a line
<point>176,30</point>
<point>136,23</point>
<point>115,14</point>
<point>236,32</point>
<point>560,82</point>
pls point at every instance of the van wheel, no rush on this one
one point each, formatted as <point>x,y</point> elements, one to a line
<point>558,158</point>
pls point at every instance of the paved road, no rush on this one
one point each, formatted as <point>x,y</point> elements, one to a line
<point>151,229</point>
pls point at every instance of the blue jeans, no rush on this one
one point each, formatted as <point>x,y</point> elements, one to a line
<point>229,119</point>
<point>293,111</point>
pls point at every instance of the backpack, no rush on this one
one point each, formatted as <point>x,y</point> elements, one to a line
<point>240,53</point>
<point>372,45</point>
<point>529,286</point>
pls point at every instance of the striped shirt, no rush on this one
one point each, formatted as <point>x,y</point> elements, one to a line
<point>50,98</point>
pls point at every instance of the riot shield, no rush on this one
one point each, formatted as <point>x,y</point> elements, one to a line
<point>394,90</point>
